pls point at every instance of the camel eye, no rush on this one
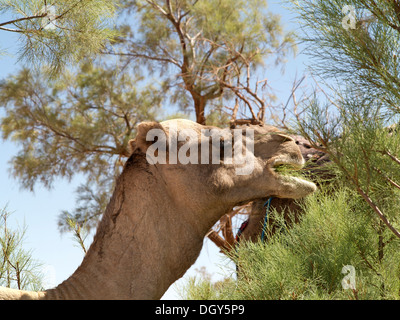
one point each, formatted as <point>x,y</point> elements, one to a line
<point>221,148</point>
<point>225,144</point>
<point>225,149</point>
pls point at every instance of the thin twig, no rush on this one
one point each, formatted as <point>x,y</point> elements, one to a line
<point>378,212</point>
<point>391,156</point>
<point>396,185</point>
<point>22,19</point>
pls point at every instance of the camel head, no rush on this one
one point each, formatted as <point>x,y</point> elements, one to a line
<point>235,165</point>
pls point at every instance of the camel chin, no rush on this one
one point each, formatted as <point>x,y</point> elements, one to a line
<point>303,186</point>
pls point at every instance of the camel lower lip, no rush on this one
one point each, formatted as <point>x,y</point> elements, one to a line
<point>306,186</point>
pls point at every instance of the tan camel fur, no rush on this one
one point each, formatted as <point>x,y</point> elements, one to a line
<point>153,228</point>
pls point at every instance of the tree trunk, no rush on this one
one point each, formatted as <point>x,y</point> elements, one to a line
<point>199,107</point>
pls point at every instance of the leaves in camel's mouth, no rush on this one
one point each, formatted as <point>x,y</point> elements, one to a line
<point>288,169</point>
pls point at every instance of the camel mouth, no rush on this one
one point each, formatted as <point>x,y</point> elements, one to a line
<point>288,171</point>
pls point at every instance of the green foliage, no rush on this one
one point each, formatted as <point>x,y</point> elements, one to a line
<point>306,261</point>
<point>353,127</point>
<point>17,268</point>
<point>366,58</point>
<point>78,123</point>
<point>74,30</point>
<point>203,289</point>
<point>79,231</point>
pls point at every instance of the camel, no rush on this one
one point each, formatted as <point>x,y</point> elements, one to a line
<point>153,227</point>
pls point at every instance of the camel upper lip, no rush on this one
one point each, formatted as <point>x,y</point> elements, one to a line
<point>293,164</point>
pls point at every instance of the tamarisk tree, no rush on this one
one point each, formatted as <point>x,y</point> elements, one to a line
<point>356,43</point>
<point>17,267</point>
<point>206,51</point>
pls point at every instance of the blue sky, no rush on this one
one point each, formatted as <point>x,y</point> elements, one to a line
<point>39,210</point>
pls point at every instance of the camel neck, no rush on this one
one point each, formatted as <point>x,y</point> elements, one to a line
<point>143,244</point>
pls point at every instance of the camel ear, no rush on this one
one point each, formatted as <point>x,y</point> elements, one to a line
<point>131,146</point>
<point>144,137</point>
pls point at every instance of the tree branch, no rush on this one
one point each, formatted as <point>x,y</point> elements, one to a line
<point>11,30</point>
<point>391,156</point>
<point>368,200</point>
<point>157,7</point>
<point>378,212</point>
<point>394,184</point>
<point>23,19</point>
<point>142,55</point>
